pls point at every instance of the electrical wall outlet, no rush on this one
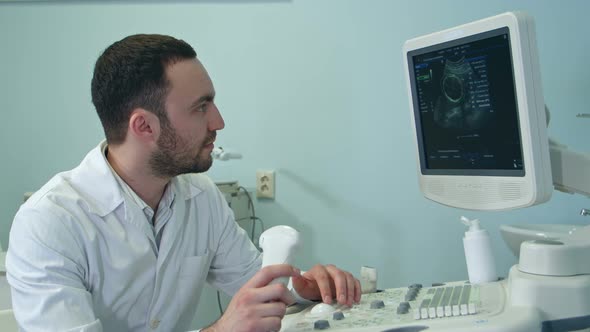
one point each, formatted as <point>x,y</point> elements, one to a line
<point>265,184</point>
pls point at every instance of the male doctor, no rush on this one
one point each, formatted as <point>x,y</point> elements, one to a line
<point>126,240</point>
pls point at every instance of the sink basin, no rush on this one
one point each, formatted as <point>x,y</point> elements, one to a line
<point>514,235</point>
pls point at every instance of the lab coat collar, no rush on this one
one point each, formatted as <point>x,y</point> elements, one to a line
<point>186,186</point>
<point>97,184</point>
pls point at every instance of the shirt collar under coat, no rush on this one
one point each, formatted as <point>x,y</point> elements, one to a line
<point>96,183</point>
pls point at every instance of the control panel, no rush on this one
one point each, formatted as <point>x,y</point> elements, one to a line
<point>452,306</point>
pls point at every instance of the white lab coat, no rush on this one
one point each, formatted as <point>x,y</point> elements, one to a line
<point>82,255</point>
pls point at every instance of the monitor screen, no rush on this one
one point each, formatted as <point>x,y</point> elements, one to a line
<point>466,108</point>
<point>478,114</point>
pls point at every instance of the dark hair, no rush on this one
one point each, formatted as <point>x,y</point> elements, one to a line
<point>131,73</point>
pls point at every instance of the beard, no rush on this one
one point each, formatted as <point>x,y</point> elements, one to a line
<point>174,156</point>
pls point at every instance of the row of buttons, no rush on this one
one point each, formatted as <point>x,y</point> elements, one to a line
<point>322,324</point>
<point>439,302</point>
<point>447,302</point>
<point>446,311</point>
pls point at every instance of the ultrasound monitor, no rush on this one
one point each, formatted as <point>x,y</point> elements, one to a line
<point>478,114</point>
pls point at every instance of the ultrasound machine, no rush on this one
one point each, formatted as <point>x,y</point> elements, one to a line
<point>481,139</point>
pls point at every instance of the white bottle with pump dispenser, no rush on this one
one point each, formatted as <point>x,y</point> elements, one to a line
<point>481,266</point>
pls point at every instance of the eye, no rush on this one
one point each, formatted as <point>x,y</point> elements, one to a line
<point>202,107</point>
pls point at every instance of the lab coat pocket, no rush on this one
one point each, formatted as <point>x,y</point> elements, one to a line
<point>194,267</point>
<point>192,272</point>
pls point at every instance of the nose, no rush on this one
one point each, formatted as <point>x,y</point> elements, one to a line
<point>216,120</point>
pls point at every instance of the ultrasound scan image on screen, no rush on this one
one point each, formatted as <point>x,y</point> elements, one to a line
<point>466,107</point>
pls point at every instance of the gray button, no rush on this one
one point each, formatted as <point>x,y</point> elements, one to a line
<point>338,315</point>
<point>405,304</point>
<point>377,304</point>
<point>447,296</point>
<point>437,296</point>
<point>411,294</point>
<point>456,295</point>
<point>321,324</point>
<point>465,294</point>
<point>403,308</point>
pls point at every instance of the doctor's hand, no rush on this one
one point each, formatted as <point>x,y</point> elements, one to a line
<point>326,283</point>
<point>258,306</point>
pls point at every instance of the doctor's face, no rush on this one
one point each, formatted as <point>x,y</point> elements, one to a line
<point>188,133</point>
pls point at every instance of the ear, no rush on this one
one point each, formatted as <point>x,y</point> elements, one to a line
<point>144,126</point>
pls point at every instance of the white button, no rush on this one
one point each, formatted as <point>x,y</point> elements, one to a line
<point>417,314</point>
<point>154,324</point>
<point>432,312</point>
<point>322,309</point>
<point>424,312</point>
<point>448,311</point>
<point>464,310</point>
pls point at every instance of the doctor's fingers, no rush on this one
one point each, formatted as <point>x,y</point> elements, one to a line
<point>353,289</point>
<point>357,290</point>
<point>271,309</point>
<point>252,323</point>
<point>325,285</point>
<point>267,324</point>
<point>275,292</point>
<point>262,317</point>
<point>346,286</point>
<point>271,272</point>
<point>270,293</point>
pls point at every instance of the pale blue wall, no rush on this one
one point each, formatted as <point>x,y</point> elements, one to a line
<point>312,89</point>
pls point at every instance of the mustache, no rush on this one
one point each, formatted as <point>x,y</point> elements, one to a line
<point>210,138</point>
